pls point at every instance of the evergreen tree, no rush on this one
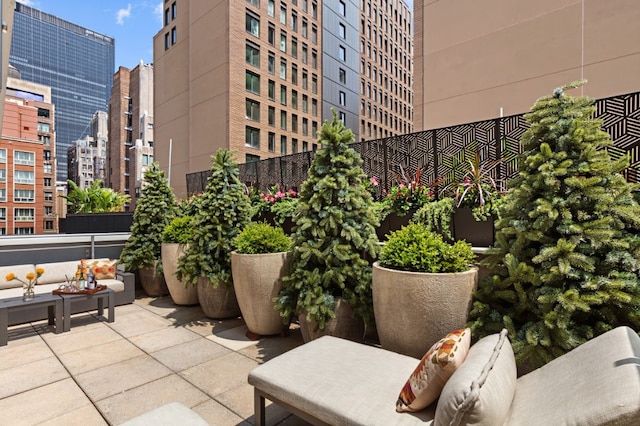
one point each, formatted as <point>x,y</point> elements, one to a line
<point>565,263</point>
<point>335,229</point>
<point>223,210</point>
<point>155,208</point>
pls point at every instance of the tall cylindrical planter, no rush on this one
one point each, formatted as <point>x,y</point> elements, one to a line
<point>152,283</point>
<point>217,302</point>
<point>257,279</point>
<point>413,310</point>
<point>180,294</point>
<point>345,325</point>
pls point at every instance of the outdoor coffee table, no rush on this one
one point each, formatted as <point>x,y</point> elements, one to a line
<point>101,295</point>
<point>52,302</point>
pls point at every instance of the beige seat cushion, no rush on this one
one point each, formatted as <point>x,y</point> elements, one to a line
<point>20,271</point>
<point>54,272</point>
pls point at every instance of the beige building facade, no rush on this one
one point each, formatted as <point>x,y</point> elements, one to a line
<point>477,60</point>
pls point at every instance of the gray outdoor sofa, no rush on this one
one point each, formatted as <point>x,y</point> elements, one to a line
<point>123,286</point>
<point>339,382</point>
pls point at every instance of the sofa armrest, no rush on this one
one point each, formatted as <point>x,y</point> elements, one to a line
<point>596,383</point>
<point>129,294</point>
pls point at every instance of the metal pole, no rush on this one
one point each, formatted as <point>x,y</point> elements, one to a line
<point>169,166</point>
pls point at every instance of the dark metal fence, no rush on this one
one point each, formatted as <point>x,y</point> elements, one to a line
<point>440,153</point>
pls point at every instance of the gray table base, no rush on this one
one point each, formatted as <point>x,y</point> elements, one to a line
<point>52,302</point>
<point>107,294</point>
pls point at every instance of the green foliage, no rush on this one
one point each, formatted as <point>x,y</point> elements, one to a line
<point>260,237</point>
<point>416,249</point>
<point>223,211</point>
<point>408,194</point>
<point>436,216</point>
<point>335,229</point>
<point>155,208</point>
<point>178,231</point>
<point>94,199</point>
<point>564,267</point>
<point>190,205</point>
<point>282,204</point>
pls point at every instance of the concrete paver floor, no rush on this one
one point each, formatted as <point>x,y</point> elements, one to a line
<point>154,353</point>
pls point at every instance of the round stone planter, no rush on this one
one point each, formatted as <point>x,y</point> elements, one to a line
<point>414,310</point>
<point>152,283</point>
<point>180,294</point>
<point>345,325</point>
<point>217,302</point>
<point>257,279</point>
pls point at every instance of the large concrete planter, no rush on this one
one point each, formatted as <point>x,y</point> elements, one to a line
<point>257,279</point>
<point>414,310</point>
<point>152,283</point>
<point>217,302</point>
<point>345,325</point>
<point>180,294</point>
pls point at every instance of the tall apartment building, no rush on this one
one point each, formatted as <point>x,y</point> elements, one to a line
<point>130,130</point>
<point>260,76</point>
<point>475,59</point>
<point>87,157</point>
<point>76,62</point>
<point>27,169</point>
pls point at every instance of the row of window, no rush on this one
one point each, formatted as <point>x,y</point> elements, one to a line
<point>370,130</point>
<point>252,139</point>
<point>403,19</point>
<point>170,14</point>
<point>19,214</point>
<point>48,225</point>
<point>252,26</point>
<point>271,7</point>
<point>26,158</point>
<point>385,100</point>
<point>253,114</point>
<point>24,195</point>
<point>252,84</point>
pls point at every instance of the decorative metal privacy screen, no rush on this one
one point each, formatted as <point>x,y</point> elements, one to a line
<point>440,153</point>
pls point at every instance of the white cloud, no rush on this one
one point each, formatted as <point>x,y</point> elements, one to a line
<point>157,12</point>
<point>122,14</point>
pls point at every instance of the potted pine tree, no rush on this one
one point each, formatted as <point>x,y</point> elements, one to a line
<point>330,282</point>
<point>258,263</point>
<point>565,264</point>
<point>422,289</point>
<point>155,208</point>
<point>223,211</point>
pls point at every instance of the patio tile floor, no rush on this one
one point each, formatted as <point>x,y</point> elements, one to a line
<point>154,353</point>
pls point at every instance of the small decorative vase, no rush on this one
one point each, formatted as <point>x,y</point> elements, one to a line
<point>27,292</point>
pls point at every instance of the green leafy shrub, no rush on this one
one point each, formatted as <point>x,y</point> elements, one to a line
<point>223,211</point>
<point>260,237</point>
<point>179,230</point>
<point>416,249</point>
<point>436,216</point>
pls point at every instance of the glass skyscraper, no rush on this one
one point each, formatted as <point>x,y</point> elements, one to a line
<point>77,64</point>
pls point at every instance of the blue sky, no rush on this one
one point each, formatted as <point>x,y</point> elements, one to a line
<point>131,23</point>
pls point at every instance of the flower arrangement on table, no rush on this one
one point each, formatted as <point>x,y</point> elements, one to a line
<point>282,204</point>
<point>27,286</point>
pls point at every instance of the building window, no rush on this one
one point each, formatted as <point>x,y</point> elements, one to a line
<point>342,8</point>
<point>294,73</point>
<point>252,82</point>
<point>283,95</point>
<point>294,123</point>
<point>44,113</point>
<point>23,215</point>
<point>23,176</point>
<point>305,146</point>
<point>272,116</point>
<point>272,90</point>
<point>283,14</point>
<point>47,182</point>
<point>44,127</point>
<point>283,41</point>
<point>253,54</point>
<point>272,142</point>
<point>3,175</point>
<point>252,110</point>
<point>283,69</point>
<point>271,35</point>
<point>314,58</point>
<point>255,3</point>
<point>342,53</point>
<point>314,34</point>
<point>283,119</point>
<point>252,24</point>
<point>342,30</point>
<point>305,28</point>
<point>3,194</point>
<point>304,53</point>
<point>294,47</point>
<point>48,210</point>
<point>48,196</point>
<point>314,107</point>
<point>270,7</point>
<point>304,79</point>
<point>343,98</point>
<point>174,11</point>
<point>342,76</point>
<point>294,146</point>
<point>166,17</point>
<point>314,84</point>
<point>305,126</point>
<point>343,117</point>
<point>252,137</point>
<point>305,101</point>
<point>23,195</point>
<point>294,99</point>
<point>3,155</point>
<point>294,21</point>
<point>283,145</point>
<point>167,41</point>
<point>48,225</point>
<point>174,36</point>
<point>24,231</point>
<point>3,214</point>
<point>271,63</point>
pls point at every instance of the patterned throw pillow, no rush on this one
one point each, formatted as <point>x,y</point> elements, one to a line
<point>435,368</point>
<point>104,269</point>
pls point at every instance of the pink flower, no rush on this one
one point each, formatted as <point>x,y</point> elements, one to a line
<point>374,181</point>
